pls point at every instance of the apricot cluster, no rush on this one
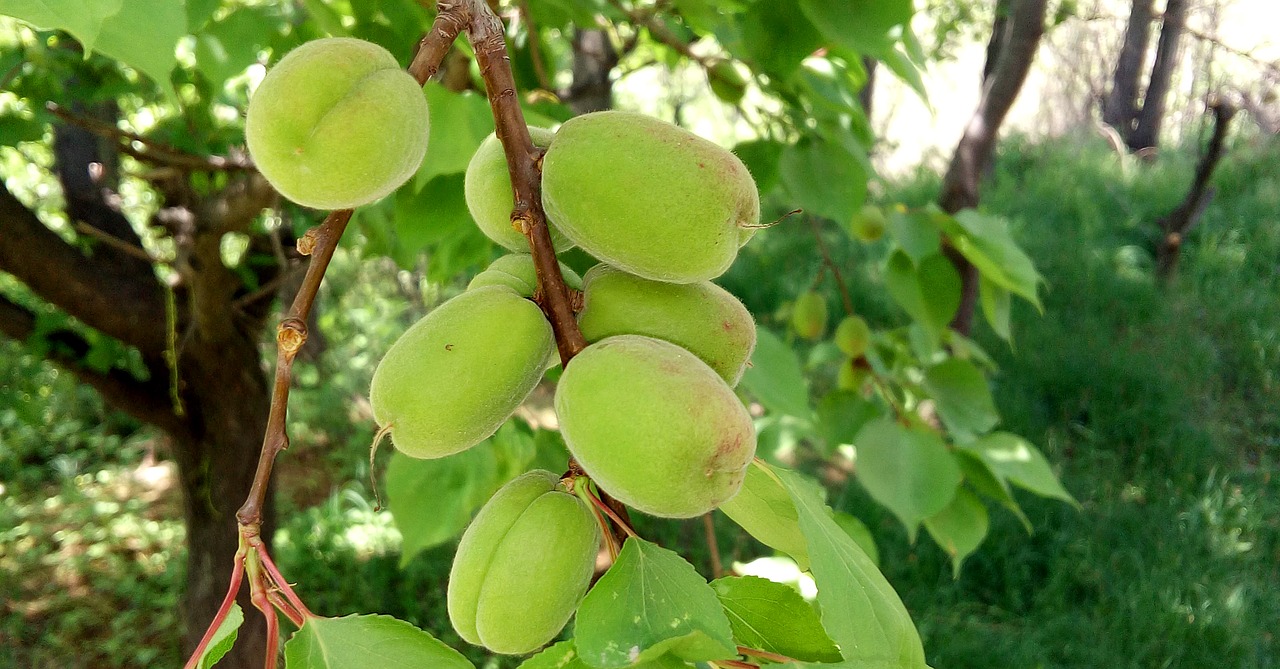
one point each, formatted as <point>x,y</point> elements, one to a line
<point>647,409</point>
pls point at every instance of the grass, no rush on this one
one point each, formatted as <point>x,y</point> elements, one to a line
<point>1158,408</point>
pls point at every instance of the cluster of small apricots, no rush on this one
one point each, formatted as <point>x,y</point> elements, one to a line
<point>647,409</point>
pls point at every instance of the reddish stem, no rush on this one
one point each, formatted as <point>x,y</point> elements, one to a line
<point>756,652</point>
<point>237,576</point>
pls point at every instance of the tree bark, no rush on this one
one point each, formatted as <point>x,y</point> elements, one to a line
<point>1176,224</point>
<point>961,187</point>
<point>1120,107</point>
<point>1146,132</point>
<point>593,61</point>
<point>220,377</point>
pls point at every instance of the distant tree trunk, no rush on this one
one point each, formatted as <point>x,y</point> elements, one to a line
<point>1120,107</point>
<point>1174,227</point>
<point>866,95</point>
<point>961,187</point>
<point>114,289</point>
<point>593,61</point>
<point>999,34</point>
<point>1146,131</point>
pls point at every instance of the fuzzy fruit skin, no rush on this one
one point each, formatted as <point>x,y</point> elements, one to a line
<point>853,336</point>
<point>868,224</point>
<point>516,271</point>
<point>487,186</point>
<point>337,124</point>
<point>702,318</point>
<point>654,426</point>
<point>522,566</point>
<point>454,377</point>
<point>648,197</point>
<point>809,315</point>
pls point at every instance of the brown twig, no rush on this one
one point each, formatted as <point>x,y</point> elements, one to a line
<point>709,525</point>
<point>524,165</point>
<point>835,270</point>
<point>115,242</point>
<point>535,47</point>
<point>156,151</point>
<point>756,652</point>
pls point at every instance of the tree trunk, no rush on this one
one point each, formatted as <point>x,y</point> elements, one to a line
<point>593,61</point>
<point>961,187</point>
<point>866,95</point>
<point>1120,107</point>
<point>227,400</point>
<point>1146,133</point>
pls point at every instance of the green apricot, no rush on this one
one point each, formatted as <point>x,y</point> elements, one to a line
<point>649,197</point>
<point>454,377</point>
<point>522,566</point>
<point>809,315</point>
<point>487,186</point>
<point>852,376</point>
<point>868,224</point>
<point>337,124</point>
<point>516,271</point>
<point>702,318</point>
<point>654,426</point>
<point>853,336</point>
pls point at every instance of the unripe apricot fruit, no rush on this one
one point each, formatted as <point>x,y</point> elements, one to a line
<point>853,336</point>
<point>337,124</point>
<point>516,271</point>
<point>809,315</point>
<point>702,318</point>
<point>654,426</point>
<point>454,377</point>
<point>648,197</point>
<point>523,565</point>
<point>868,224</point>
<point>487,186</point>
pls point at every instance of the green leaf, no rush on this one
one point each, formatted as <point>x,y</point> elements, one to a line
<point>223,639</point>
<point>776,378</point>
<point>907,470</point>
<point>650,603</point>
<point>431,501</point>
<point>841,414</point>
<point>357,642</point>
<point>860,25</point>
<point>964,399</point>
<point>764,509</point>
<point>761,157</point>
<point>1016,460</point>
<point>82,18</point>
<point>989,246</point>
<point>777,38</point>
<point>436,219</point>
<point>565,656</point>
<point>774,617</point>
<point>980,477</point>
<point>225,48</point>
<point>144,35</point>
<point>859,532</point>
<point>824,179</point>
<point>996,305</point>
<point>459,123</point>
<point>929,293</point>
<point>860,610</point>
<point>915,232</point>
<point>960,528</point>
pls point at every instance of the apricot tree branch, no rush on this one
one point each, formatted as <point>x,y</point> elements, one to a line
<point>154,151</point>
<point>524,165</point>
<point>831,264</point>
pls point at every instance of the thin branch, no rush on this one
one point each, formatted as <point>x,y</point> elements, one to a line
<point>116,243</point>
<point>831,264</point>
<point>156,151</point>
<point>535,47</point>
<point>764,654</point>
<point>524,165</point>
<point>709,526</point>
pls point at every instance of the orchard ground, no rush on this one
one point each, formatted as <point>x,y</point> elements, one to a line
<point>1157,407</point>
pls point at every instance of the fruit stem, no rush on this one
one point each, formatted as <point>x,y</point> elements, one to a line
<point>485,33</point>
<point>831,264</point>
